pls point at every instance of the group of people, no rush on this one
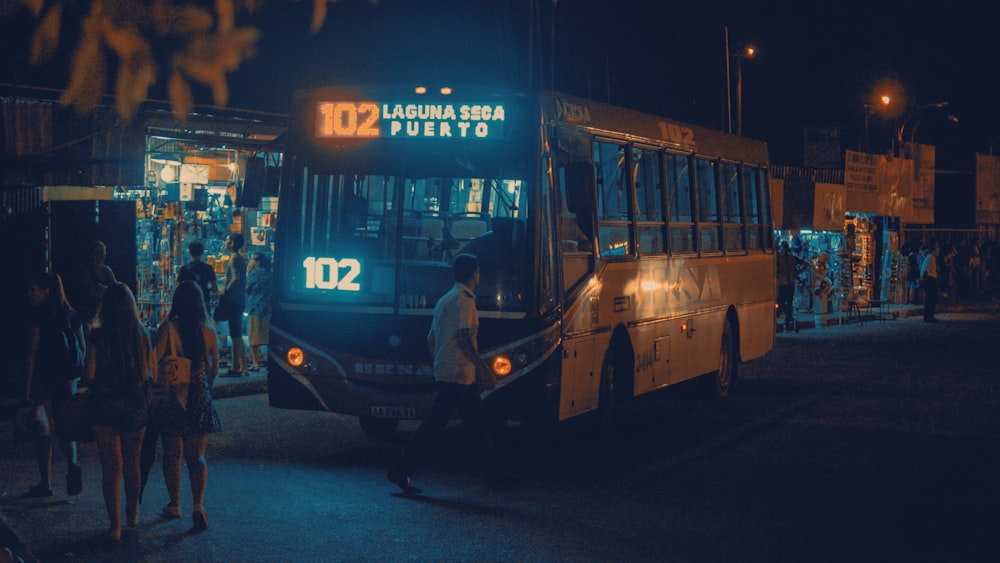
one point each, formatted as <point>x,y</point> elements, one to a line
<point>246,289</point>
<point>965,270</point>
<point>120,368</point>
<point>789,268</point>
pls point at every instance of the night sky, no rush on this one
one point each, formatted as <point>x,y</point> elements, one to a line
<point>818,64</point>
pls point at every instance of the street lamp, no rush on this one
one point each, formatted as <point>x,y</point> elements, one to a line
<point>883,102</point>
<point>746,53</point>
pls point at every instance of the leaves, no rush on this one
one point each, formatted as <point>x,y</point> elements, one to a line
<point>192,40</point>
<point>46,39</point>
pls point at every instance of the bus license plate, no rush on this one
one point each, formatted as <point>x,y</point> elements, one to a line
<point>408,413</point>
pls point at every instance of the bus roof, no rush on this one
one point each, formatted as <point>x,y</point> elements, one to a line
<point>616,122</point>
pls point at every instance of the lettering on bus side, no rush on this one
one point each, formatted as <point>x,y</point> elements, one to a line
<point>644,360</point>
<point>678,134</point>
<point>413,301</point>
<point>571,113</point>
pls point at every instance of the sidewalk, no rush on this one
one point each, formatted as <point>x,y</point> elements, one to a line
<point>13,549</point>
<point>889,312</point>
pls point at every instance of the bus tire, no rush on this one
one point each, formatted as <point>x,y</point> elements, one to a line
<point>725,376</point>
<point>380,428</point>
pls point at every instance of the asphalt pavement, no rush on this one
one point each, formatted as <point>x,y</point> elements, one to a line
<point>12,547</point>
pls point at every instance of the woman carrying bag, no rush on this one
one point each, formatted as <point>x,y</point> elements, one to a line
<point>119,370</point>
<point>184,430</point>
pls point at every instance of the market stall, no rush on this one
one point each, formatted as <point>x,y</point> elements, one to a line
<point>197,190</point>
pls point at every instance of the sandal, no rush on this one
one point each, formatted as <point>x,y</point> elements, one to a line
<point>38,490</point>
<point>74,480</point>
<point>199,518</point>
<point>171,511</point>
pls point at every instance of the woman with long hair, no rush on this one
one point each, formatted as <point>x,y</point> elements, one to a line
<point>185,431</point>
<point>46,385</point>
<point>234,293</point>
<point>119,370</point>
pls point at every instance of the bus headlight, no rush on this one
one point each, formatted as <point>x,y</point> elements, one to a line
<point>295,356</point>
<point>501,365</point>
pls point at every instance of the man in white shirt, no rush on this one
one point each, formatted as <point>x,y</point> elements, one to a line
<point>459,373</point>
<point>929,282</point>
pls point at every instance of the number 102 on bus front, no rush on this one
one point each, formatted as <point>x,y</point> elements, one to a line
<point>331,273</point>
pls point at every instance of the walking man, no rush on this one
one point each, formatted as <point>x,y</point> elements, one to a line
<point>459,373</point>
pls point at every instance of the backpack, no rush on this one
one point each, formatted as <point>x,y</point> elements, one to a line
<point>70,352</point>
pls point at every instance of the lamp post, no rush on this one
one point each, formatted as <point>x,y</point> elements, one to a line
<point>746,53</point>
<point>883,101</point>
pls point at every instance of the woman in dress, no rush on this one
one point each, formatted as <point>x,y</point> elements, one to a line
<point>46,386</point>
<point>185,431</point>
<point>119,369</point>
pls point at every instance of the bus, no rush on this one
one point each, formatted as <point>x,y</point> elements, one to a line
<point>620,252</point>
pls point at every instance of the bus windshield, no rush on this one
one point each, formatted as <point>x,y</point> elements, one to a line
<point>387,239</point>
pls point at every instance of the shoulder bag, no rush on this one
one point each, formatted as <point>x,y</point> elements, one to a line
<point>173,376</point>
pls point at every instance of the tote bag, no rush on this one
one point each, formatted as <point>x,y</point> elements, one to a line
<point>173,375</point>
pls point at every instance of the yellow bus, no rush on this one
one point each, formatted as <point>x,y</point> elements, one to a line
<point>620,252</point>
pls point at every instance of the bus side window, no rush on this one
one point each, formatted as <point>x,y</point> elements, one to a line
<point>574,222</point>
<point>613,214</point>
<point>576,184</point>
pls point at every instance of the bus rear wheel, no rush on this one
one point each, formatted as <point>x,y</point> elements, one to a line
<point>728,362</point>
<point>381,428</point>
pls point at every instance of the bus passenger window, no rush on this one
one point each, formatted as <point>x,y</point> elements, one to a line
<point>613,214</point>
<point>574,220</point>
<point>679,199</point>
<point>708,205</point>
<point>648,200</point>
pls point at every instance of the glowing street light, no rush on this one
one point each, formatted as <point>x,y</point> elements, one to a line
<point>746,53</point>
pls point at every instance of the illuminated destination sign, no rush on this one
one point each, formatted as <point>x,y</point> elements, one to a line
<point>406,120</point>
<point>332,274</point>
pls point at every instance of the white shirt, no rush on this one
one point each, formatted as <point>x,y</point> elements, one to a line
<point>456,310</point>
<point>929,268</point>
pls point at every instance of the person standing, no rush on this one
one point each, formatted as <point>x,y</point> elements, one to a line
<point>821,286</point>
<point>258,306</point>
<point>94,279</point>
<point>788,271</point>
<point>459,374</point>
<point>46,385</point>
<point>929,283</point>
<point>119,369</point>
<point>201,273</point>
<point>184,431</point>
<point>234,293</point>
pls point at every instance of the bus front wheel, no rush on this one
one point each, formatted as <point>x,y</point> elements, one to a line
<point>728,362</point>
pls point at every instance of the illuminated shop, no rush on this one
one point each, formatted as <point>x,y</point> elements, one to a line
<point>202,183</point>
<point>813,215</point>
